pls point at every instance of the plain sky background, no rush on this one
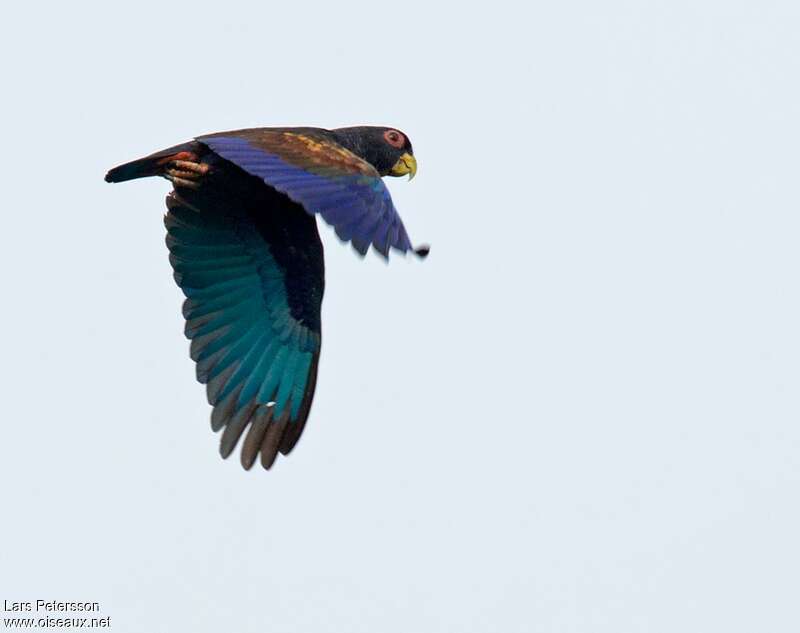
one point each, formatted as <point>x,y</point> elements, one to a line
<point>580,414</point>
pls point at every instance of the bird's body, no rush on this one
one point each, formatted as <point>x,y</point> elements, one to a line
<point>244,246</point>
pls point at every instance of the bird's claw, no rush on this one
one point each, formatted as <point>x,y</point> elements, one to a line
<point>185,173</point>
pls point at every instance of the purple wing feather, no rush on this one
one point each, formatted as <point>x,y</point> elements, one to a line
<point>324,178</point>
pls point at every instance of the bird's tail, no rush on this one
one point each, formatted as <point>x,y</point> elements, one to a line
<point>155,164</point>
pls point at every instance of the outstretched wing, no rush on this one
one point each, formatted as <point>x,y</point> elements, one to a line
<point>324,178</point>
<point>250,264</point>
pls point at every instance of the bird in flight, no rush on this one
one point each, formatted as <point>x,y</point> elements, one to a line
<point>245,250</point>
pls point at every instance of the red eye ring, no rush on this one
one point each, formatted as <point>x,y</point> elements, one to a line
<point>394,138</point>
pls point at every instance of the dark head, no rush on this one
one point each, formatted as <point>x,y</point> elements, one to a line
<point>388,150</point>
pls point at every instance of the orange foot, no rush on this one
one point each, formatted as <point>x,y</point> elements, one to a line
<point>186,173</point>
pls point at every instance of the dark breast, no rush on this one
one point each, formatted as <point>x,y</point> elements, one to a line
<point>294,242</point>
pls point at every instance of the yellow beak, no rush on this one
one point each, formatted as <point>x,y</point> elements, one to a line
<point>406,164</point>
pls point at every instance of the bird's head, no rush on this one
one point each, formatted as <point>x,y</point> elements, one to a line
<point>388,150</point>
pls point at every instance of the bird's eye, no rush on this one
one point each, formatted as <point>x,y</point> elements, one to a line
<point>394,138</point>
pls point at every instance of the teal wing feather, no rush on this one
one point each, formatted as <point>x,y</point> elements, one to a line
<point>252,315</point>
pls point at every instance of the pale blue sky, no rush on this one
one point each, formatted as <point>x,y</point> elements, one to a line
<point>580,414</point>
